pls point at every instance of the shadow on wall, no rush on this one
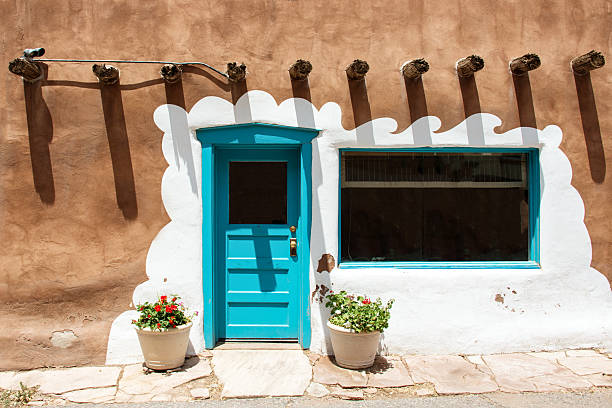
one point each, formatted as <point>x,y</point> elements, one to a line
<point>116,132</point>
<point>590,127</point>
<point>238,89</point>
<point>322,279</point>
<point>469,95</point>
<point>471,106</point>
<point>175,94</point>
<point>224,86</point>
<point>40,132</point>
<point>304,111</point>
<point>181,140</point>
<point>526,110</point>
<point>40,135</point>
<point>301,88</point>
<point>417,103</point>
<point>362,113</point>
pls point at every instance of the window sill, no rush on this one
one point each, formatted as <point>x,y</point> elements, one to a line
<point>443,265</point>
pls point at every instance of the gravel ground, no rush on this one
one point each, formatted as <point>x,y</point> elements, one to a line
<point>599,398</point>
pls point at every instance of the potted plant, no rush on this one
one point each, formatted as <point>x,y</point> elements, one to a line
<point>163,332</point>
<point>355,325</point>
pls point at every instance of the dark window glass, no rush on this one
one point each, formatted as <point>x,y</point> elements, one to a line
<point>434,207</point>
<point>258,193</point>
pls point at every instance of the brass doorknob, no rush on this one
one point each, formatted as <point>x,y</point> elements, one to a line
<point>292,228</point>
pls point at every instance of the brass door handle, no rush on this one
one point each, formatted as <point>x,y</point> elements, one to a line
<point>293,246</point>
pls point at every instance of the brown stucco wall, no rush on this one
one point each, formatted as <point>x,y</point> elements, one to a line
<point>71,255</point>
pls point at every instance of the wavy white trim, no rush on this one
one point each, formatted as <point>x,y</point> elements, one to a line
<point>563,305</point>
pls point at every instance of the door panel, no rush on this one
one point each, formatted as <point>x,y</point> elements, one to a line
<point>262,280</point>
<point>249,246</point>
<point>257,281</point>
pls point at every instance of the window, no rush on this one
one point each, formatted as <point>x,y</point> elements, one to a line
<point>439,205</point>
<point>257,192</point>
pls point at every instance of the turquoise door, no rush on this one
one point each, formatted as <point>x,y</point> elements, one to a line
<point>257,273</point>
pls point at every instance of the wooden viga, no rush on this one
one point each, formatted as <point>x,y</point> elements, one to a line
<point>235,72</point>
<point>591,60</point>
<point>522,65</point>
<point>357,70</point>
<point>413,69</point>
<point>171,73</point>
<point>467,66</point>
<point>107,74</point>
<point>26,68</point>
<point>300,69</point>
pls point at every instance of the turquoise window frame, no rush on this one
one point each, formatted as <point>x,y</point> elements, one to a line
<point>533,175</point>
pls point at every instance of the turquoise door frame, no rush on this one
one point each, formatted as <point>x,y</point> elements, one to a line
<point>255,136</point>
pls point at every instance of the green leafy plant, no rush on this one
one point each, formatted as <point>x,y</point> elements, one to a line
<point>358,313</point>
<point>166,313</point>
<point>17,398</point>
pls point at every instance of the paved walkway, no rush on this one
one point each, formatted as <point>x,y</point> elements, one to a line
<point>261,373</point>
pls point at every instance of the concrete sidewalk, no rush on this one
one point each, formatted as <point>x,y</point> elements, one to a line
<point>232,373</point>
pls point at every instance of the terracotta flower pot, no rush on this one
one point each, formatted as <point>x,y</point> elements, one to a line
<point>164,350</point>
<point>353,350</point>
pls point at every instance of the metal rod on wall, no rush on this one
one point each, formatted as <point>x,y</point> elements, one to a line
<point>131,62</point>
<point>30,53</point>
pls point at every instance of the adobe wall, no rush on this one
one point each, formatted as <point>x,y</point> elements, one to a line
<point>72,255</point>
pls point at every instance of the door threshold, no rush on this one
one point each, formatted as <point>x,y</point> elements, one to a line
<point>257,345</point>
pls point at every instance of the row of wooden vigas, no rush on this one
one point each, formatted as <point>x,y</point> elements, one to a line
<point>467,66</point>
<point>27,67</point>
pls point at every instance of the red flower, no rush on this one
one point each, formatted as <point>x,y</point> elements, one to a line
<point>133,321</point>
<point>163,299</point>
<point>174,307</point>
<point>148,315</point>
<point>168,309</point>
<point>141,307</point>
<point>366,301</point>
<point>174,299</point>
<point>173,325</point>
<point>158,324</point>
<point>157,308</point>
